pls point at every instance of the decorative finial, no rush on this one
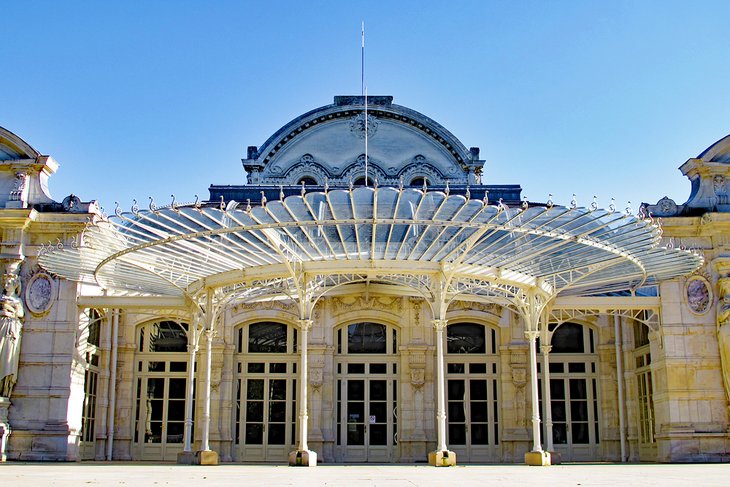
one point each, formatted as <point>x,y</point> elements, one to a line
<point>248,205</point>
<point>400,184</point>
<point>628,208</point>
<point>574,202</point>
<point>326,185</point>
<point>222,205</point>
<point>135,207</point>
<point>468,192</point>
<point>153,206</point>
<point>525,204</point>
<point>263,199</point>
<point>486,197</point>
<point>173,205</point>
<point>349,183</point>
<point>303,191</point>
<point>117,209</point>
<point>447,190</point>
<point>376,183</point>
<point>594,204</point>
<point>281,192</point>
<point>197,204</point>
<point>425,185</point>
<point>550,203</point>
<point>612,206</point>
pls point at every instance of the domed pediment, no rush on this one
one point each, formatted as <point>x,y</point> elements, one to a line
<point>329,143</point>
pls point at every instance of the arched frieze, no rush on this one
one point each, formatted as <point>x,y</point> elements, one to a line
<point>421,168</point>
<point>354,170</point>
<point>293,172</point>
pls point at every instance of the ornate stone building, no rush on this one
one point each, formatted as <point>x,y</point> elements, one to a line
<point>368,297</point>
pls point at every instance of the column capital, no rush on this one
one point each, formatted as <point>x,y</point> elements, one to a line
<point>305,324</point>
<point>532,335</point>
<point>439,324</point>
<point>192,348</point>
<point>546,348</point>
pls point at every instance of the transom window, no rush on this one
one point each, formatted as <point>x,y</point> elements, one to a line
<point>367,338</point>
<point>267,337</point>
<point>470,338</point>
<point>163,336</point>
<point>571,338</point>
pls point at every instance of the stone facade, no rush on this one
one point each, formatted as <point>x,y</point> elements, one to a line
<point>638,376</point>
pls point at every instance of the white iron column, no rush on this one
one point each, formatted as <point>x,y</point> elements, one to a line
<point>440,325</point>
<point>441,457</point>
<point>205,446</point>
<point>303,456</point>
<point>532,339</point>
<point>304,326</point>
<point>546,395</point>
<point>188,432</point>
<point>112,385</point>
<point>618,338</point>
<point>206,456</point>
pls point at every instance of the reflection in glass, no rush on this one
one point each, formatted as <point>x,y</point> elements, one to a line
<point>366,338</point>
<point>267,338</point>
<point>465,338</point>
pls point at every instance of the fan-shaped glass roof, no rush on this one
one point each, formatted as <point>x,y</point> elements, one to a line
<point>391,235</point>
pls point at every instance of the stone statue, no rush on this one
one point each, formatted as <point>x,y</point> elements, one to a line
<point>11,326</point>
<point>723,330</point>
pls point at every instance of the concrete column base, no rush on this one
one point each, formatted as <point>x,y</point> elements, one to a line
<point>206,457</point>
<point>537,458</point>
<point>445,458</point>
<point>186,458</point>
<point>555,458</point>
<point>303,458</point>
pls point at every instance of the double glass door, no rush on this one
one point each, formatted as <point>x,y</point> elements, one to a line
<point>473,411</point>
<point>574,409</point>
<point>367,420</point>
<point>266,411</point>
<point>160,421</point>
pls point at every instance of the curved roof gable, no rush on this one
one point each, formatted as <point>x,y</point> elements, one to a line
<point>331,139</point>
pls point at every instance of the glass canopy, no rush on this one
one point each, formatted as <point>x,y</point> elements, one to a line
<point>388,235</point>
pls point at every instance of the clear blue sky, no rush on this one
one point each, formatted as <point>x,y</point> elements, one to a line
<point>154,98</point>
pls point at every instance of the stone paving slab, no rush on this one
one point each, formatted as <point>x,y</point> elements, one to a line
<point>107,474</point>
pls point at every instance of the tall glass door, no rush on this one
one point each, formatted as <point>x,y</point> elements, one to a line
<point>367,416</point>
<point>472,411</point>
<point>266,411</point>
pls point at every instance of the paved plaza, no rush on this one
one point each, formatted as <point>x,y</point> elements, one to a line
<point>138,475</point>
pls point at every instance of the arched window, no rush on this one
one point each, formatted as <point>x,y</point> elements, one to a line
<point>361,182</point>
<point>163,336</point>
<point>419,181</point>
<point>307,181</point>
<point>367,338</point>
<point>572,338</point>
<point>267,337</point>
<point>161,390</point>
<point>469,338</point>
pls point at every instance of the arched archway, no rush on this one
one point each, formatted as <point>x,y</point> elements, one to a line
<point>472,390</point>
<point>366,381</point>
<point>265,417</point>
<point>161,369</point>
<point>574,392</point>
